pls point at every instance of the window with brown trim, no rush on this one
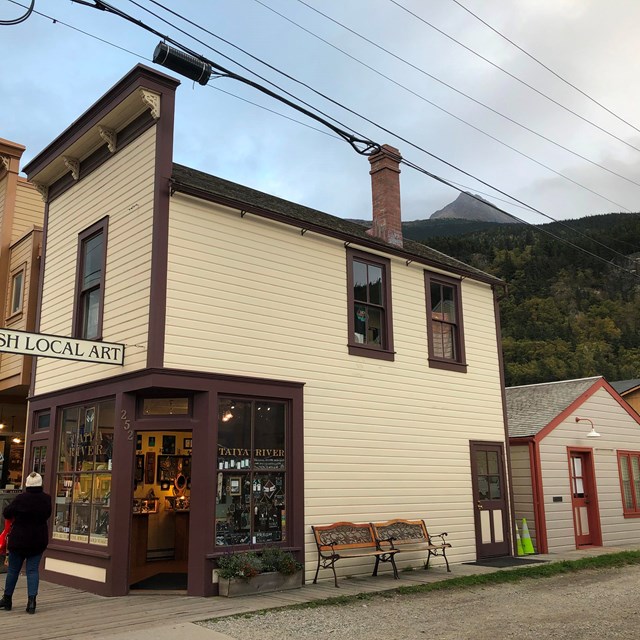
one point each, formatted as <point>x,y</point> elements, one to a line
<point>369,295</point>
<point>83,474</point>
<point>254,454</point>
<point>16,292</point>
<point>90,281</point>
<point>445,332</point>
<point>629,467</point>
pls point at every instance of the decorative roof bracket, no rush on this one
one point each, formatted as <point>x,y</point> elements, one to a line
<point>110,136</point>
<point>74,165</point>
<point>152,100</point>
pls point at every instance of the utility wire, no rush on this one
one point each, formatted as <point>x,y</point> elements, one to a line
<point>146,59</point>
<point>104,7</point>
<point>182,17</point>
<point>360,145</point>
<point>511,75</point>
<point>22,18</point>
<point>544,66</point>
<point>443,83</point>
<point>373,144</point>
<point>541,229</point>
<point>449,113</point>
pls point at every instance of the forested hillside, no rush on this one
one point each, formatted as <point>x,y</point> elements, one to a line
<point>566,314</point>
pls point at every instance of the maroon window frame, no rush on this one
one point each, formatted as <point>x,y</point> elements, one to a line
<point>630,486</point>
<point>90,288</point>
<point>437,323</point>
<point>381,346</point>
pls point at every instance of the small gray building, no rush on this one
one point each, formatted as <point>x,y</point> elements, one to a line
<point>575,457</point>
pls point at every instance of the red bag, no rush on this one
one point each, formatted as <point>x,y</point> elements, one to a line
<point>4,536</point>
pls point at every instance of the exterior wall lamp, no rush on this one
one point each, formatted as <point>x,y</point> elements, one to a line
<point>593,433</point>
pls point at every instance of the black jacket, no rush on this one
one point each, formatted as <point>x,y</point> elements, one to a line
<point>30,511</point>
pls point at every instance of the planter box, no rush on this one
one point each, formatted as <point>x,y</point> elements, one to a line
<point>262,583</point>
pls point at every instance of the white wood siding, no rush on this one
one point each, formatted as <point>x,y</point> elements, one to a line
<point>29,209</point>
<point>618,431</point>
<point>382,439</point>
<point>122,188</point>
<point>522,488</point>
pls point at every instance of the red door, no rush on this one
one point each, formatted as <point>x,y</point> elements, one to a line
<point>584,500</point>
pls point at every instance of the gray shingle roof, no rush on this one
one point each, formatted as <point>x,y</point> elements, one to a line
<point>532,407</point>
<point>622,386</point>
<point>184,178</point>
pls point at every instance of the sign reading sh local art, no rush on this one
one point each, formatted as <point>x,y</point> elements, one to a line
<point>40,344</point>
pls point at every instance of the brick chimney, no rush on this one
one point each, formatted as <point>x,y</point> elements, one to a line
<point>385,192</point>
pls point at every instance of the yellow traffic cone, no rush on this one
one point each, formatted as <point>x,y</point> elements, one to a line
<point>527,545</point>
<point>519,549</point>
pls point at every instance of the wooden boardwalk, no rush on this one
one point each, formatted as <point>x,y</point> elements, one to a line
<point>70,614</point>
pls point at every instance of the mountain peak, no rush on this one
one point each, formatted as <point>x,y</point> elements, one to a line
<point>471,207</point>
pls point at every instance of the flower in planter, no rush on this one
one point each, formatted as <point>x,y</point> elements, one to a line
<point>277,559</point>
<point>248,564</point>
<point>239,565</point>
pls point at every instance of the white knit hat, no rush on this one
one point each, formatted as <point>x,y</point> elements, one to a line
<point>33,480</point>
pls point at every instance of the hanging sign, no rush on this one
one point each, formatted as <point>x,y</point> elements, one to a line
<point>40,344</point>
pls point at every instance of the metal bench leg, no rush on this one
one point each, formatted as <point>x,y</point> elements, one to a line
<point>444,555</point>
<point>426,566</point>
<point>315,580</point>
<point>335,577</point>
<point>375,570</point>
<point>395,569</point>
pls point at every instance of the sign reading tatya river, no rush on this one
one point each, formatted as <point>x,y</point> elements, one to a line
<point>40,344</point>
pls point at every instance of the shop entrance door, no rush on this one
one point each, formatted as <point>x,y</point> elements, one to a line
<point>490,500</point>
<point>584,503</point>
<point>161,507</point>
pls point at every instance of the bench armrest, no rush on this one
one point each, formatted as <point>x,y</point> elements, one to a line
<point>389,541</point>
<point>438,535</point>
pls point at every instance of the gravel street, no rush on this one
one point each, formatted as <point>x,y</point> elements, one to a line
<point>602,604</point>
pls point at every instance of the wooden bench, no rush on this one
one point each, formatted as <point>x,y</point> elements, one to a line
<point>410,535</point>
<point>349,540</point>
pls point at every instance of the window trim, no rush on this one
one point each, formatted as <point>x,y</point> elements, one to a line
<point>15,314</point>
<point>386,350</point>
<point>458,364</point>
<point>288,468</point>
<point>99,227</point>
<point>634,512</point>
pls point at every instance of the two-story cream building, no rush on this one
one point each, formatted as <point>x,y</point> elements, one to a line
<point>282,367</point>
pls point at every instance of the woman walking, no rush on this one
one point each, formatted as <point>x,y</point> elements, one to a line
<point>29,537</point>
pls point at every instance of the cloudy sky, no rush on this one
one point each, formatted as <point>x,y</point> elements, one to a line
<point>379,59</point>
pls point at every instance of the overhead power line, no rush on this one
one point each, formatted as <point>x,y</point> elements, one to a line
<point>307,86</point>
<point>372,145</point>
<point>22,18</point>
<point>544,66</point>
<point>98,4</point>
<point>453,115</point>
<point>511,75</point>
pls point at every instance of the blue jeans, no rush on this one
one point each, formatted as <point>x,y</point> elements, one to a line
<point>13,571</point>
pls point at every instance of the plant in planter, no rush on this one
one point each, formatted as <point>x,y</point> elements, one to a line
<point>272,569</point>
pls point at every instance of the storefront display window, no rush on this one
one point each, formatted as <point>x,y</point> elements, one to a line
<point>251,500</point>
<point>83,485</point>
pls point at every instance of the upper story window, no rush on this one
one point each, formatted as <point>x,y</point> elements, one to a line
<point>90,281</point>
<point>369,295</point>
<point>629,466</point>
<point>17,292</point>
<point>444,323</point>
